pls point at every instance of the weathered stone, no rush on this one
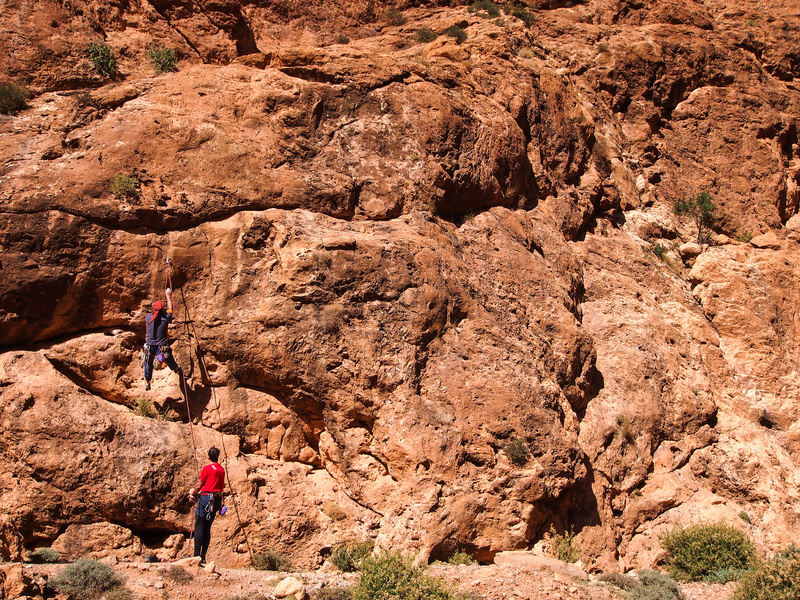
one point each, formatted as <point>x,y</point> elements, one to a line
<point>534,562</point>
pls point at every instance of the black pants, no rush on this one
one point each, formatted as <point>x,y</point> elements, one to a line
<point>204,514</point>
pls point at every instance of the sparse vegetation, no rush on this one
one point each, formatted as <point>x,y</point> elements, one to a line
<point>164,59</point>
<point>625,426</point>
<point>517,451</point>
<point>88,579</point>
<point>707,552</point>
<point>521,13</point>
<point>459,557</point>
<point>347,557</point>
<point>701,210</point>
<point>623,582</point>
<point>271,561</point>
<point>454,31</point>
<point>563,546</point>
<point>342,39</point>
<point>335,593</point>
<point>655,586</point>
<point>425,35</point>
<point>744,237</point>
<point>744,517</point>
<point>392,576</point>
<point>145,408</point>
<point>126,187</point>
<point>177,574</point>
<point>12,98</point>
<point>659,250</point>
<point>44,555</point>
<point>395,16</point>
<point>103,59</point>
<point>488,6</point>
<point>525,52</point>
<point>334,511</point>
<point>775,579</point>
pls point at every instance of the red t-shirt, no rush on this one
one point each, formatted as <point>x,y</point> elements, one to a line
<point>212,478</point>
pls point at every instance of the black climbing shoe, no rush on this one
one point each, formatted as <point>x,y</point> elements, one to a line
<point>147,386</point>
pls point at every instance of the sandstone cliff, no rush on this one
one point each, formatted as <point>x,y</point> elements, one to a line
<point>395,257</point>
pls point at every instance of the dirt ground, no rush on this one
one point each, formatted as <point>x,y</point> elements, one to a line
<point>162,581</point>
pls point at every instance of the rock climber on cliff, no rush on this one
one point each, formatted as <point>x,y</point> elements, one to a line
<point>212,484</point>
<point>155,344</point>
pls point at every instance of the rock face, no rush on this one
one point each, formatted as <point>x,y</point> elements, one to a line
<point>427,293</point>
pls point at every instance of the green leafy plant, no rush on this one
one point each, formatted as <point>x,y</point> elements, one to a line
<point>163,59</point>
<point>517,451</point>
<point>395,16</point>
<point>701,210</point>
<point>425,35</point>
<point>744,237</point>
<point>775,579</point>
<point>562,546</point>
<point>659,250</point>
<point>347,557</point>
<point>103,59</point>
<point>454,31</point>
<point>485,5</point>
<point>271,561</point>
<point>126,187</point>
<point>12,98</point>
<point>703,552</point>
<point>459,557</point>
<point>655,586</point>
<point>44,555</point>
<point>744,517</point>
<point>88,579</point>
<point>392,576</point>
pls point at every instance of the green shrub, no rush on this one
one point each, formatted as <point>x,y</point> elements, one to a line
<point>12,98</point>
<point>454,31</point>
<point>776,579</point>
<point>271,561</point>
<point>701,210</point>
<point>103,59</point>
<point>744,517</point>
<point>178,574</point>
<point>459,557</point>
<point>744,237</point>
<point>392,576</point>
<point>487,5</point>
<point>125,187</point>
<point>347,557</point>
<point>395,16</point>
<point>342,39</point>
<point>700,552</point>
<point>88,579</point>
<point>655,586</point>
<point>659,250</point>
<point>426,34</point>
<point>335,593</point>
<point>44,555</point>
<point>521,13</point>
<point>163,59</point>
<point>145,408</point>
<point>517,451</point>
<point>563,546</point>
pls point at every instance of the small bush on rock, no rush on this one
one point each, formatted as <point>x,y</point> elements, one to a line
<point>487,5</point>
<point>426,34</point>
<point>125,187</point>
<point>392,576</point>
<point>459,557</point>
<point>178,574</point>
<point>88,579</point>
<point>44,555</point>
<point>563,546</point>
<point>656,586</point>
<point>702,552</point>
<point>103,59</point>
<point>163,59</point>
<point>776,579</point>
<point>271,561</point>
<point>521,13</point>
<point>454,31</point>
<point>623,582</point>
<point>517,451</point>
<point>348,557</point>
<point>335,593</point>
<point>395,16</point>
<point>12,98</point>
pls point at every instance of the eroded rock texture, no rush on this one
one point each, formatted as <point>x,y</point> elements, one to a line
<point>393,259</point>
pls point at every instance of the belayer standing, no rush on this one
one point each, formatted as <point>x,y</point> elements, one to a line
<point>155,344</point>
<point>212,484</point>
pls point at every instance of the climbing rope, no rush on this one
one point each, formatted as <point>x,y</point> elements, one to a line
<point>190,333</point>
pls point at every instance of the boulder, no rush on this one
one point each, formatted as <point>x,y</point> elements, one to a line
<point>535,562</point>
